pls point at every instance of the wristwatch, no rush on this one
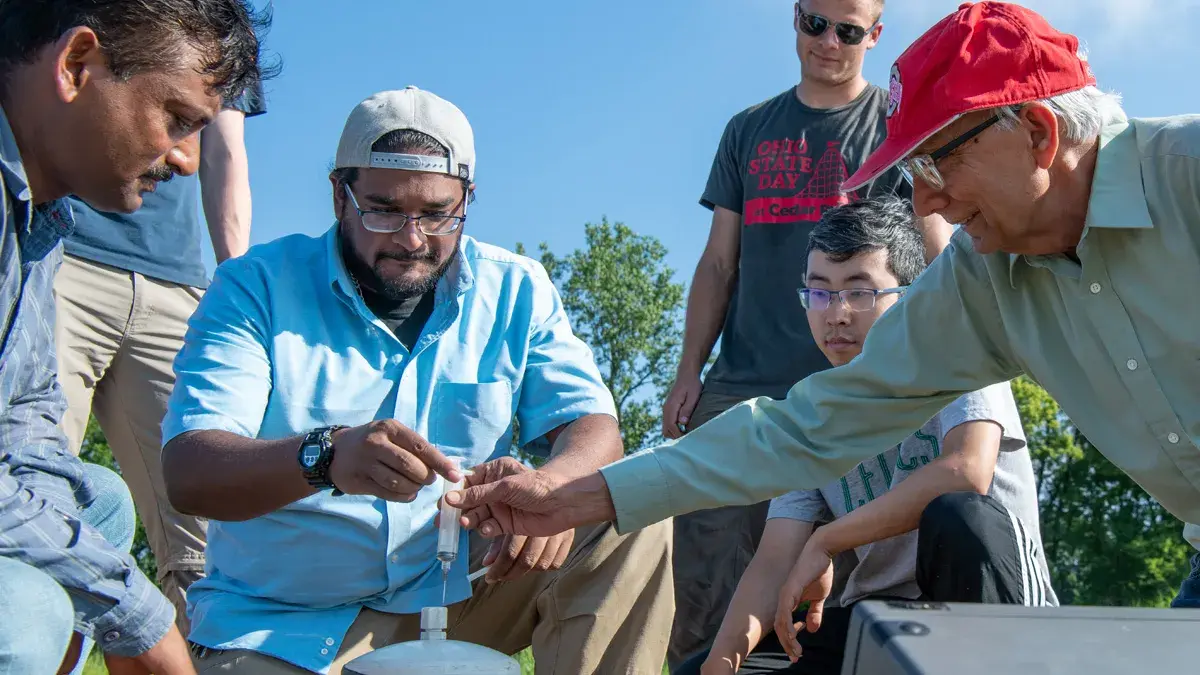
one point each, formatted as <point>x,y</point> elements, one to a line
<point>316,456</point>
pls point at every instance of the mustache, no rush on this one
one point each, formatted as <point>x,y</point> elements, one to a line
<point>406,256</point>
<point>159,174</point>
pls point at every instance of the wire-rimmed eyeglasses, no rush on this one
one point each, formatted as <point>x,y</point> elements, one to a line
<point>387,222</point>
<point>854,299</point>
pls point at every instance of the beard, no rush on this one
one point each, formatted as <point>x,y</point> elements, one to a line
<point>397,288</point>
<point>403,287</point>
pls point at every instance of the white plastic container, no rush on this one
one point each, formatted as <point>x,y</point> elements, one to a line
<point>433,654</point>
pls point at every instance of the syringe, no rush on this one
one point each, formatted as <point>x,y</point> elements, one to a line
<point>448,529</point>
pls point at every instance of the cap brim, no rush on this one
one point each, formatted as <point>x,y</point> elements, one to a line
<point>888,154</point>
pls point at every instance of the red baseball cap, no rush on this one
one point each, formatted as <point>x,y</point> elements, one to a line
<point>985,55</point>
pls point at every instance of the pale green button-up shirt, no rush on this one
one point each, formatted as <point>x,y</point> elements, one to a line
<point>1114,338</point>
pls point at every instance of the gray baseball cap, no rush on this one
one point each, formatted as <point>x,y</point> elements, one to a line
<point>408,108</point>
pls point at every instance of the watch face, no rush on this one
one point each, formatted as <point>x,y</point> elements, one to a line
<point>310,456</point>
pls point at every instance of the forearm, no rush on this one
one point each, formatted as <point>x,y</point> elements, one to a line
<point>224,476</point>
<point>708,303</point>
<point>751,611</point>
<point>225,185</point>
<point>583,446</point>
<point>899,510</point>
<point>114,602</point>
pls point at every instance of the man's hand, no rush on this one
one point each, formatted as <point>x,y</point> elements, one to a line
<point>169,657</point>
<point>680,404</point>
<point>812,580</point>
<point>387,460</point>
<point>513,556</point>
<point>534,503</point>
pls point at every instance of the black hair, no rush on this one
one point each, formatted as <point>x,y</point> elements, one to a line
<point>872,224</point>
<point>142,35</point>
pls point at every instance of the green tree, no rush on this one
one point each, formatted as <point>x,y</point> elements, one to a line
<point>621,300</point>
<point>95,450</point>
<point>1107,541</point>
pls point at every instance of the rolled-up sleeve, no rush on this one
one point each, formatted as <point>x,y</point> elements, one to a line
<point>944,338</point>
<point>223,371</point>
<point>561,381</point>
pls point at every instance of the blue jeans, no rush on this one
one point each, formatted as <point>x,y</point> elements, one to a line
<point>36,615</point>
<point>1189,590</point>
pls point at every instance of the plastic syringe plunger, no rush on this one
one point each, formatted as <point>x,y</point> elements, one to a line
<point>448,525</point>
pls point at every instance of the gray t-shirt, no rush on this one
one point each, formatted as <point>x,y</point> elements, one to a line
<point>780,164</point>
<point>889,567</point>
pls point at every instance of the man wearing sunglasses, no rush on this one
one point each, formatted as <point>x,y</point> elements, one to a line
<point>779,165</point>
<point>1077,263</point>
<point>909,514</point>
<point>329,386</point>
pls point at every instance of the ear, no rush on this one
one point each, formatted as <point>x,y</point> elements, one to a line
<point>77,62</point>
<point>339,197</point>
<point>873,36</point>
<point>1042,126</point>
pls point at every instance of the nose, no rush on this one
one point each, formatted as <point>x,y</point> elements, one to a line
<point>837,314</point>
<point>184,158</point>
<point>926,200</point>
<point>409,237</point>
<point>829,39</point>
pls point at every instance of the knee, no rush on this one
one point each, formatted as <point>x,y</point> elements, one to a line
<point>111,512</point>
<point>957,517</point>
<point>33,641</point>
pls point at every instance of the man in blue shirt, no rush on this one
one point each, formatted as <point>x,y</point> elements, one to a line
<point>102,99</point>
<point>324,389</point>
<point>128,283</point>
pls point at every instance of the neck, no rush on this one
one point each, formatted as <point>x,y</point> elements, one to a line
<point>1065,215</point>
<point>823,96</point>
<point>27,120</point>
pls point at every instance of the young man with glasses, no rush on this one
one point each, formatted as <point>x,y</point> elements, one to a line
<point>950,514</point>
<point>779,165</point>
<point>328,387</point>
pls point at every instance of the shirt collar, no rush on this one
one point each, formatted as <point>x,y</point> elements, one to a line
<point>1118,198</point>
<point>456,281</point>
<point>10,162</point>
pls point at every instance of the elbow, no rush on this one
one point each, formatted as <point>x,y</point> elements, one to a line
<point>183,490</point>
<point>968,477</point>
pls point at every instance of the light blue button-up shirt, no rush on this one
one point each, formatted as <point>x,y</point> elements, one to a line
<point>281,344</point>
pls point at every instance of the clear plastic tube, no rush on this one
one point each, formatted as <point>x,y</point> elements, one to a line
<point>448,525</point>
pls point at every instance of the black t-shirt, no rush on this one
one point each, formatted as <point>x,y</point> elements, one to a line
<point>780,165</point>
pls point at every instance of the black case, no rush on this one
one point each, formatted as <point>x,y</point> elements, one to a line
<point>923,638</point>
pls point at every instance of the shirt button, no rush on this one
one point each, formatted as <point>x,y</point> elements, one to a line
<point>1131,364</point>
<point>324,652</point>
<point>329,641</point>
<point>112,635</point>
<point>394,558</point>
<point>1095,288</point>
<point>1172,438</point>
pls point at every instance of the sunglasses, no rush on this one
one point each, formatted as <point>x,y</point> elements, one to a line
<point>815,25</point>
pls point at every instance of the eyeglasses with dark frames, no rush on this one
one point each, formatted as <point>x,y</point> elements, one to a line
<point>387,222</point>
<point>815,25</point>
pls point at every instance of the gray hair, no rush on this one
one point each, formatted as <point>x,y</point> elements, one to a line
<point>885,222</point>
<point>1082,113</point>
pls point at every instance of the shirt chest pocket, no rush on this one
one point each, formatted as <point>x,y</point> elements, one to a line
<point>471,418</point>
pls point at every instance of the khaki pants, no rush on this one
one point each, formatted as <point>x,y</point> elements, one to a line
<point>713,548</point>
<point>117,334</point>
<point>607,611</point>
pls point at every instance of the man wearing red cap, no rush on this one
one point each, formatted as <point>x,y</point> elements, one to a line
<point>1085,227</point>
<point>780,164</point>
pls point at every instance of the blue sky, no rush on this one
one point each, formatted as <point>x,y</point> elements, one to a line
<point>608,108</point>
